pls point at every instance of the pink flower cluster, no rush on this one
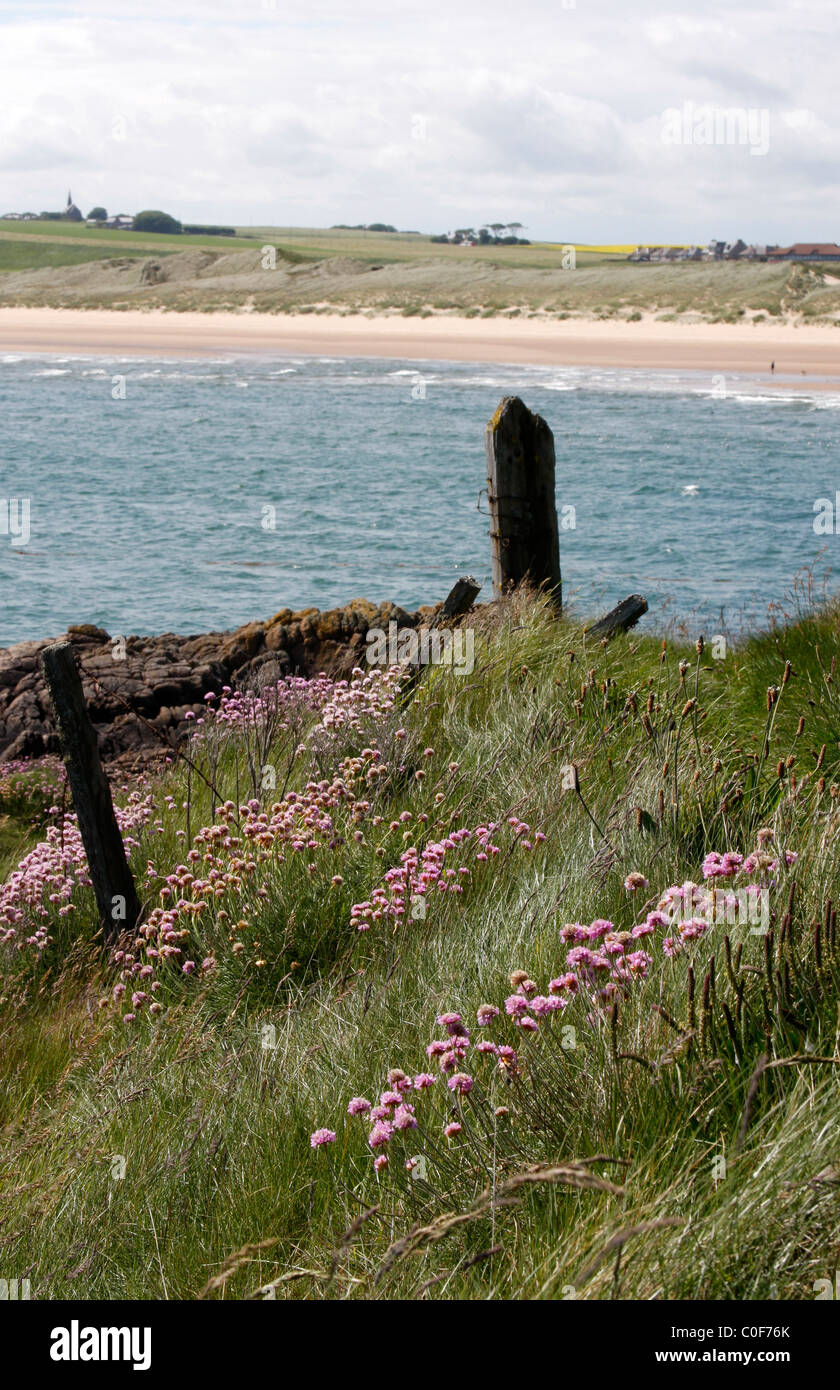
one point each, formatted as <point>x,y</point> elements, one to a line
<point>395,1114</point>
<point>40,778</point>
<point>340,704</point>
<point>423,872</point>
<point>229,861</point>
<point>602,963</point>
<point>759,862</point>
<point>45,880</point>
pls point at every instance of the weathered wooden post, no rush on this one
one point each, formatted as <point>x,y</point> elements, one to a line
<point>619,619</point>
<point>459,600</point>
<point>113,884</point>
<point>520,491</point>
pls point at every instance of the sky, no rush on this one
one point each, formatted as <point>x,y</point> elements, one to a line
<point>599,121</point>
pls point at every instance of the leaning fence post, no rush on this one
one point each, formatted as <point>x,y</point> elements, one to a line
<point>619,619</point>
<point>520,491</point>
<point>113,884</point>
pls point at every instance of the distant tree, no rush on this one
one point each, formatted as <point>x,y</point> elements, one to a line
<point>97,215</point>
<point>152,220</point>
<point>484,237</point>
<point>199,229</point>
<point>379,227</point>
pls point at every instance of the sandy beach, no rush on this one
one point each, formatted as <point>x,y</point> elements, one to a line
<point>809,352</point>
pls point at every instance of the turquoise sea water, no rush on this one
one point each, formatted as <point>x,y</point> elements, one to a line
<point>218,491</point>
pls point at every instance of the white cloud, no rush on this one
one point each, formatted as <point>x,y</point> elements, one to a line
<point>238,112</point>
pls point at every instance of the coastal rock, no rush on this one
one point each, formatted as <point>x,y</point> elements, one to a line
<point>139,689</point>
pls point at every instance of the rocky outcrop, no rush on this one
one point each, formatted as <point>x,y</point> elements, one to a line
<point>140,689</point>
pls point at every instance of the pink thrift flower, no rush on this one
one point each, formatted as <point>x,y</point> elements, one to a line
<point>516,1004</point>
<point>379,1135</point>
<point>322,1136</point>
<point>564,982</point>
<point>460,1082</point>
<point>399,1080</point>
<point>635,881</point>
<point>545,1004</point>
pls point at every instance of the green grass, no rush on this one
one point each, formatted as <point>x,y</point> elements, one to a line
<point>40,255</point>
<point>220,1182</point>
<point>80,234</point>
<point>349,271</point>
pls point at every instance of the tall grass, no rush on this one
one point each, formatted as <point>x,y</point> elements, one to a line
<point>680,1141</point>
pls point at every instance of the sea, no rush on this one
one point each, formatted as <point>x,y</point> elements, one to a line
<point>170,495</point>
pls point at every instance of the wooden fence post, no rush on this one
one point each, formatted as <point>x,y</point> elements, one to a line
<point>619,619</point>
<point>458,601</point>
<point>520,491</point>
<point>110,874</point>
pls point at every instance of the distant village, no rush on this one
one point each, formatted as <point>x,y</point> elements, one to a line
<point>739,251</point>
<point>97,217</point>
<point>151,220</point>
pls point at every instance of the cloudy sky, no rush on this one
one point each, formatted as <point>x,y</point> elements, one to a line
<point>431,116</point>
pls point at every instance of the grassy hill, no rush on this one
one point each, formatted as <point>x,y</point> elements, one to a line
<point>667,1127</point>
<point>336,271</point>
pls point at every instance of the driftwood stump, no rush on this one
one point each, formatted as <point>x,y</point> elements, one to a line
<point>523,509</point>
<point>621,618</point>
<point>458,601</point>
<point>113,884</point>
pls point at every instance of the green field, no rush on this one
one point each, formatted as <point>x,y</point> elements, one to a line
<point>337,271</point>
<point>78,232</point>
<point>678,1139</point>
<point>35,254</point>
<point>311,243</point>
